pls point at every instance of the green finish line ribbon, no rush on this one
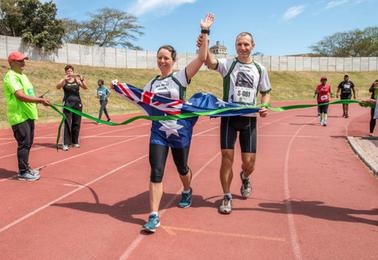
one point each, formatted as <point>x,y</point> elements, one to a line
<point>195,114</point>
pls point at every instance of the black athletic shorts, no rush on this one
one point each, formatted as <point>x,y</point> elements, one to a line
<point>323,109</point>
<point>346,96</point>
<point>246,126</point>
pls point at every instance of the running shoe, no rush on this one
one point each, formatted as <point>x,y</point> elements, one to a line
<point>246,188</point>
<point>65,147</point>
<point>34,171</point>
<point>28,176</point>
<point>186,199</point>
<point>76,145</point>
<point>152,224</point>
<point>226,205</point>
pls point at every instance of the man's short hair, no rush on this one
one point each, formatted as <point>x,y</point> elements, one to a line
<point>245,34</point>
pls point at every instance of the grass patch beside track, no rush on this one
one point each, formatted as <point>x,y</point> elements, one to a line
<point>286,85</point>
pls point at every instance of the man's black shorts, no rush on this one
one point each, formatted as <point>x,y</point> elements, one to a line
<point>246,126</point>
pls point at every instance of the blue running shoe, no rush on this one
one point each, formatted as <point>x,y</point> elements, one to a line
<point>152,224</point>
<point>186,199</point>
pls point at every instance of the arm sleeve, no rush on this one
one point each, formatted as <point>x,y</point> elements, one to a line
<point>222,66</point>
<point>147,87</point>
<point>182,77</point>
<point>13,84</point>
<point>264,82</point>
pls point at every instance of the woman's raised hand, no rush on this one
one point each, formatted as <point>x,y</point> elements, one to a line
<point>207,22</point>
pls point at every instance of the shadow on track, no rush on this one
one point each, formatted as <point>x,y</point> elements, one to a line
<point>5,174</point>
<point>127,210</point>
<point>317,209</point>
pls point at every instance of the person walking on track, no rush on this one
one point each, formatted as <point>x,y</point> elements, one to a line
<point>103,95</point>
<point>345,88</point>
<point>323,94</point>
<point>243,79</point>
<point>373,111</point>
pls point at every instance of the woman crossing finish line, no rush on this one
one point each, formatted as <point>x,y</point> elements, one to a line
<point>174,134</point>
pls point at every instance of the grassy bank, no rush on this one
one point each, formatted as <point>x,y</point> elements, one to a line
<point>286,85</point>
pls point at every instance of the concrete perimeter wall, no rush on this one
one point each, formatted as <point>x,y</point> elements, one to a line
<point>124,58</point>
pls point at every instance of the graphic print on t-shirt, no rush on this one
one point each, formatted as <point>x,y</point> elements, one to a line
<point>162,89</point>
<point>244,80</point>
<point>346,88</point>
<point>244,84</point>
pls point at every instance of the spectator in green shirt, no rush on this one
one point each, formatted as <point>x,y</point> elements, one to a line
<point>21,112</point>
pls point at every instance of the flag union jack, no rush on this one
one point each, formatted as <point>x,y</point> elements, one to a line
<point>151,103</point>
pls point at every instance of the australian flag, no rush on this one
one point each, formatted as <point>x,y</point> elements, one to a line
<point>176,133</point>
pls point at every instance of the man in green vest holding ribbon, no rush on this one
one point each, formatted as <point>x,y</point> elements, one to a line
<point>21,112</point>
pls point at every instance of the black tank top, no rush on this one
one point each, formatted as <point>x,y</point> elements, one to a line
<point>71,93</point>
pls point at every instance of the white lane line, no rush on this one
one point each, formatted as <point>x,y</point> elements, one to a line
<point>130,249</point>
<point>289,209</point>
<point>42,129</point>
<point>77,155</point>
<point>278,136</point>
<point>113,136</point>
<point>100,134</point>
<point>85,153</point>
<point>68,194</point>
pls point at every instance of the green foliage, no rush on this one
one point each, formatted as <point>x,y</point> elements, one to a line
<point>33,21</point>
<point>108,27</point>
<point>355,43</point>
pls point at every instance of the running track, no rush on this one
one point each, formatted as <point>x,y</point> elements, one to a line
<point>312,199</point>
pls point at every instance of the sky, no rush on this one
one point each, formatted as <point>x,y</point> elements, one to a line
<point>279,27</point>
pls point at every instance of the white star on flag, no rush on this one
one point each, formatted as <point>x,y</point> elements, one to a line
<point>221,103</point>
<point>170,127</point>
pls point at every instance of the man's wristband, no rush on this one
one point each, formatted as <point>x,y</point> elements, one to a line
<point>206,31</point>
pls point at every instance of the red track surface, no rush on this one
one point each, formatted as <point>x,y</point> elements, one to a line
<point>312,199</point>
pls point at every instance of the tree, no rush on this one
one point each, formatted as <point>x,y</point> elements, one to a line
<point>357,43</point>
<point>107,27</point>
<point>33,21</point>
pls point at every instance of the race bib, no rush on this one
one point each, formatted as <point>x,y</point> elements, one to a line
<point>324,98</point>
<point>346,86</point>
<point>243,95</point>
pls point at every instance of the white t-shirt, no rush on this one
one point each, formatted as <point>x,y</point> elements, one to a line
<point>244,81</point>
<point>167,87</point>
